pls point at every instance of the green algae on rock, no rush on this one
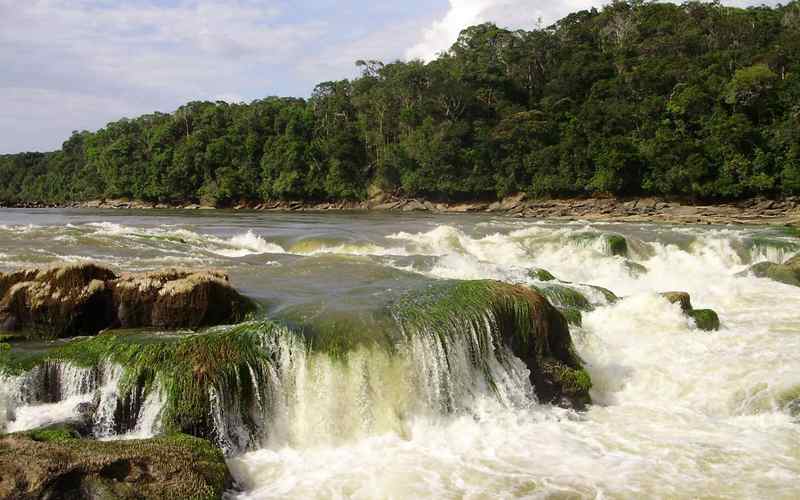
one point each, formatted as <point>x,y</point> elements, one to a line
<point>53,463</point>
<point>705,319</point>
<point>564,296</point>
<point>501,316</point>
<point>616,245</point>
<point>788,272</point>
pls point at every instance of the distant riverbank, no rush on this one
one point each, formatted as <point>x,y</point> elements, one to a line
<point>750,211</point>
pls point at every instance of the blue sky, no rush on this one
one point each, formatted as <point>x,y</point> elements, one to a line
<point>78,64</point>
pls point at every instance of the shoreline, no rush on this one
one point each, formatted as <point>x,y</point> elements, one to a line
<point>758,211</point>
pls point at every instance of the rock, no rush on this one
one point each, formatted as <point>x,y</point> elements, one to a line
<point>572,315</point>
<point>176,298</point>
<point>524,321</point>
<point>788,272</point>
<point>414,206</point>
<point>53,463</point>
<point>705,319</point>
<point>564,296</point>
<point>59,302</point>
<point>634,268</point>
<point>681,298</point>
<point>512,202</point>
<point>84,299</point>
<point>617,245</point>
<point>541,275</point>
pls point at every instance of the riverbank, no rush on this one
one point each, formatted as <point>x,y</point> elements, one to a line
<point>749,211</point>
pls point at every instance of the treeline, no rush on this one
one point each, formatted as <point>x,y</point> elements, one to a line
<point>697,100</point>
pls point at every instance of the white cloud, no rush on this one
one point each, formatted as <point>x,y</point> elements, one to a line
<point>82,63</point>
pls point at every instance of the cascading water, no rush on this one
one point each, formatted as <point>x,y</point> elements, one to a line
<point>677,413</point>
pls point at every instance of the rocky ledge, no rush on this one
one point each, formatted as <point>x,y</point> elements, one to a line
<point>54,463</point>
<point>84,299</point>
<point>748,211</point>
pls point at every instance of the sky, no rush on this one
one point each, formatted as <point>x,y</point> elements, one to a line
<point>78,64</point>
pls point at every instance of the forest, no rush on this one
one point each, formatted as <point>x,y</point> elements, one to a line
<point>698,100</point>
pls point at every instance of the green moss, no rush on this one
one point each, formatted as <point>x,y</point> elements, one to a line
<point>53,434</point>
<point>706,319</point>
<point>616,245</point>
<point>172,466</point>
<point>564,296</point>
<point>541,275</point>
<point>610,296</point>
<point>778,272</point>
<point>185,367</point>
<point>572,315</point>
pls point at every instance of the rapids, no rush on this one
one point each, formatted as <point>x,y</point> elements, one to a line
<point>677,413</point>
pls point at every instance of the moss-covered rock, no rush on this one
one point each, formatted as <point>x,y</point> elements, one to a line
<point>705,319</point>
<point>617,245</point>
<point>55,464</point>
<point>610,296</point>
<point>502,314</point>
<point>572,315</point>
<point>84,299</point>
<point>564,296</point>
<point>788,272</point>
<point>635,269</point>
<point>541,275</point>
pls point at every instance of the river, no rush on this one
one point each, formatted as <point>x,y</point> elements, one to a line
<point>677,413</point>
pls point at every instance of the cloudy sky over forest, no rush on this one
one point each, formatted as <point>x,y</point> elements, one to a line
<point>78,64</point>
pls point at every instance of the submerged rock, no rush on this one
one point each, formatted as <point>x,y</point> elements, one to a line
<point>84,299</point>
<point>565,297</point>
<point>617,245</point>
<point>705,319</point>
<point>541,275</point>
<point>54,463</point>
<point>788,272</point>
<point>681,298</point>
<point>514,316</point>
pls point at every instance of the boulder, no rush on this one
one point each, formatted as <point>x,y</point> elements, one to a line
<point>83,299</point>
<point>681,298</point>
<point>54,463</point>
<point>58,302</point>
<point>176,298</point>
<point>788,272</point>
<point>499,313</point>
<point>705,319</point>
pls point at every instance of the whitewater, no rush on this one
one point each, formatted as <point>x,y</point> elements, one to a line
<point>677,412</point>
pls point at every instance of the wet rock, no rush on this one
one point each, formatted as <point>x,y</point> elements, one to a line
<point>177,298</point>
<point>84,299</point>
<point>635,269</point>
<point>681,298</point>
<point>541,275</point>
<point>54,463</point>
<point>788,272</point>
<point>521,318</point>
<point>705,319</point>
<point>62,301</point>
<point>617,245</point>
